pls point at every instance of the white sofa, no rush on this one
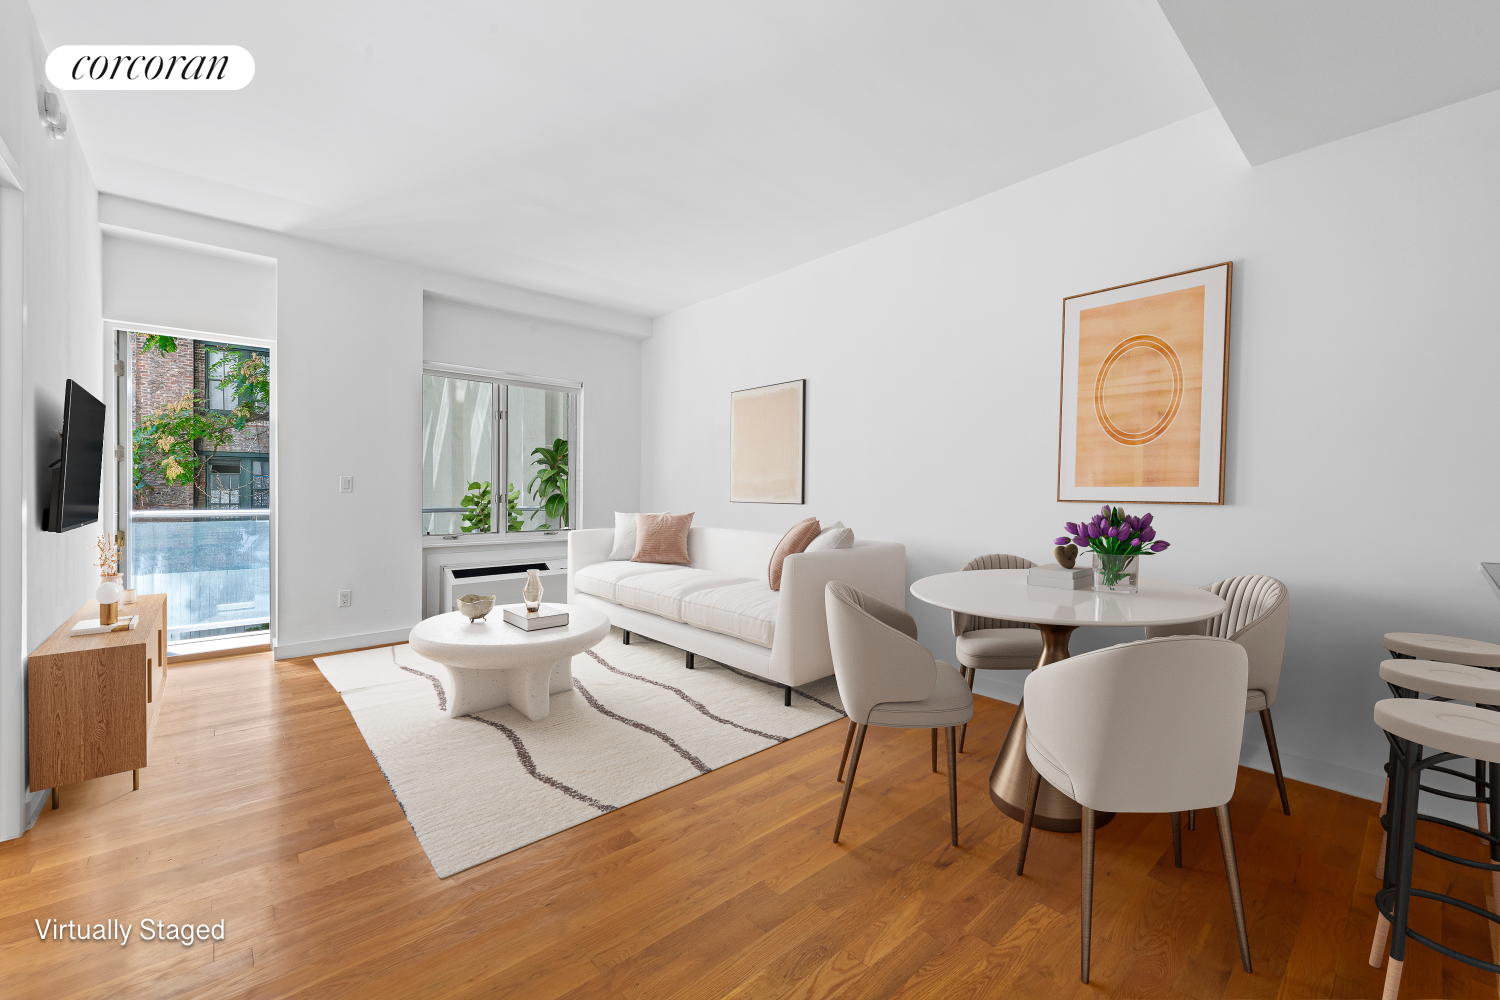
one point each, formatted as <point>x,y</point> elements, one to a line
<point>721,606</point>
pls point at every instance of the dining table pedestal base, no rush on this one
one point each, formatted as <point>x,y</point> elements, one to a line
<point>1010,780</point>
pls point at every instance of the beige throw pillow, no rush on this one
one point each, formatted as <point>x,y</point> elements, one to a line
<point>794,541</point>
<point>662,538</point>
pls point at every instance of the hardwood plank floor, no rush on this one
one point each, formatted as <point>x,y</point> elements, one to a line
<point>263,808</point>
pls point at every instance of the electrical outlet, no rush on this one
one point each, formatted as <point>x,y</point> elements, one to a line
<point>346,598</point>
<point>346,484</point>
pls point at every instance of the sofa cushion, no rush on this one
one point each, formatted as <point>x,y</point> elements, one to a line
<point>663,593</point>
<point>744,610</point>
<point>601,579</point>
<point>662,538</point>
<point>793,542</point>
<point>624,536</point>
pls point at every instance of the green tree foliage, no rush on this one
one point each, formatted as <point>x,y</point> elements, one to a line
<point>476,501</point>
<point>178,440</point>
<point>550,482</point>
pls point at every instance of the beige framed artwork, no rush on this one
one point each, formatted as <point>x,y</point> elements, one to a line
<point>1143,412</point>
<point>766,443</point>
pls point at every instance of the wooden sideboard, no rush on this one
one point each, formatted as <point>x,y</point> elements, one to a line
<point>93,700</point>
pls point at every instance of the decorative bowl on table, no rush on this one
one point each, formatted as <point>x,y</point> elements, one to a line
<point>475,606</point>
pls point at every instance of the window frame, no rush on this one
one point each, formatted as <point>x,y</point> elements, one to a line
<point>500,383</point>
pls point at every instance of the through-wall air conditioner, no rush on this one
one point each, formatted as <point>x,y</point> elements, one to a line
<point>505,581</point>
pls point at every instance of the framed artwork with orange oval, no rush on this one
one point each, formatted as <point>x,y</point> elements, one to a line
<point>1143,390</point>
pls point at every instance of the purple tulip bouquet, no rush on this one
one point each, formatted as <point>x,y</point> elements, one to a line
<point>1116,538</point>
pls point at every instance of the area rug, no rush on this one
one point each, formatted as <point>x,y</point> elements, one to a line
<point>636,722</point>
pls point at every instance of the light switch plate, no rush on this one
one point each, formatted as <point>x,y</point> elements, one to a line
<point>346,484</point>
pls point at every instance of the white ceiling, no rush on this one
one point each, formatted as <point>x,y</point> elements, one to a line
<point>643,154</point>
<point>1289,75</point>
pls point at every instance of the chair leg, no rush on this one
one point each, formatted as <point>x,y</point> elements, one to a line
<point>1177,839</point>
<point>964,734</point>
<point>1384,834</point>
<point>1265,724</point>
<point>1086,916</point>
<point>1386,868</point>
<point>54,798</point>
<point>952,782</point>
<point>1192,819</point>
<point>1036,786</point>
<point>1406,807</point>
<point>934,751</point>
<point>848,739</point>
<point>1232,871</point>
<point>859,743</point>
<point>1494,824</point>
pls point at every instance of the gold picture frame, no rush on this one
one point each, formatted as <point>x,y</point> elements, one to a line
<point>1143,402</point>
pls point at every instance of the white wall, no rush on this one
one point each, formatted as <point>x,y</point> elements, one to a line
<point>157,285</point>
<point>347,398</point>
<point>606,460</point>
<point>1362,418</point>
<point>49,332</point>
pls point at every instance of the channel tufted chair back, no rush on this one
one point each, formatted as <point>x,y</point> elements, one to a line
<point>1256,618</point>
<point>972,623</point>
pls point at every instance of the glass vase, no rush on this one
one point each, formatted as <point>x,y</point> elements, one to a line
<point>532,592</point>
<point>1116,574</point>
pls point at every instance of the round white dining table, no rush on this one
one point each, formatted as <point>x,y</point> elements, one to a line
<point>1003,593</point>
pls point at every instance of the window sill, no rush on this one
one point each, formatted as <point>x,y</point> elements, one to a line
<point>508,538</point>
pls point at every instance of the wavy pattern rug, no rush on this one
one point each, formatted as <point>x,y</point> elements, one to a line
<point>637,721</point>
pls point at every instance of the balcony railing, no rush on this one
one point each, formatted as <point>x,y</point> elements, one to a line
<point>213,565</point>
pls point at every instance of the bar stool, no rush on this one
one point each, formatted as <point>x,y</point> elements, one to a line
<point>1442,649</point>
<point>1453,731</point>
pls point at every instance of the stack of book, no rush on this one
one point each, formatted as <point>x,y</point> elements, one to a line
<point>546,616</point>
<point>91,626</point>
<point>1077,578</point>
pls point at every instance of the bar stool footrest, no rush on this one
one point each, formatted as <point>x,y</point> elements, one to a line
<point>1384,902</point>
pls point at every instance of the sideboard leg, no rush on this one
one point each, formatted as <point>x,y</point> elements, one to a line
<point>135,780</point>
<point>54,798</point>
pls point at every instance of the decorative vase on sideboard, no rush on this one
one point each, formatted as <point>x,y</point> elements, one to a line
<point>108,595</point>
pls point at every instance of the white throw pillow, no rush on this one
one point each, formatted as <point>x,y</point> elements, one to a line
<point>624,536</point>
<point>835,536</point>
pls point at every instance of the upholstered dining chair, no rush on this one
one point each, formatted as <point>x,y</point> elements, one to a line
<point>1256,618</point>
<point>1147,727</point>
<point>887,678</point>
<point>993,643</point>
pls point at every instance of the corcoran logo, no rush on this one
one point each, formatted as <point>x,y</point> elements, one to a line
<point>150,67</point>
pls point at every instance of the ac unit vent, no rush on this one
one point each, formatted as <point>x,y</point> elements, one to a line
<point>472,571</point>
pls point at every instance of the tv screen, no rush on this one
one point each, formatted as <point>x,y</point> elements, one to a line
<point>76,475</point>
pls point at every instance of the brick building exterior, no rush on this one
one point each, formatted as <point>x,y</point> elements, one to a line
<point>237,474</point>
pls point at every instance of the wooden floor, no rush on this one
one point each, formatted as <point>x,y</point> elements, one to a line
<point>263,808</point>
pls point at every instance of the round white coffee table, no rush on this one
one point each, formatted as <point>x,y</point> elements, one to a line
<point>1003,593</point>
<point>492,663</point>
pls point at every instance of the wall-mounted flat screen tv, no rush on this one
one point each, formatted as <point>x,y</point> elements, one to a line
<point>76,475</point>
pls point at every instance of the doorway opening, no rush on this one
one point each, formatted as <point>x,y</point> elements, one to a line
<point>195,483</point>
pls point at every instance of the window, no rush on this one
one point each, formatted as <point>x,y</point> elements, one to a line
<point>221,364</point>
<point>238,482</point>
<point>482,430</point>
